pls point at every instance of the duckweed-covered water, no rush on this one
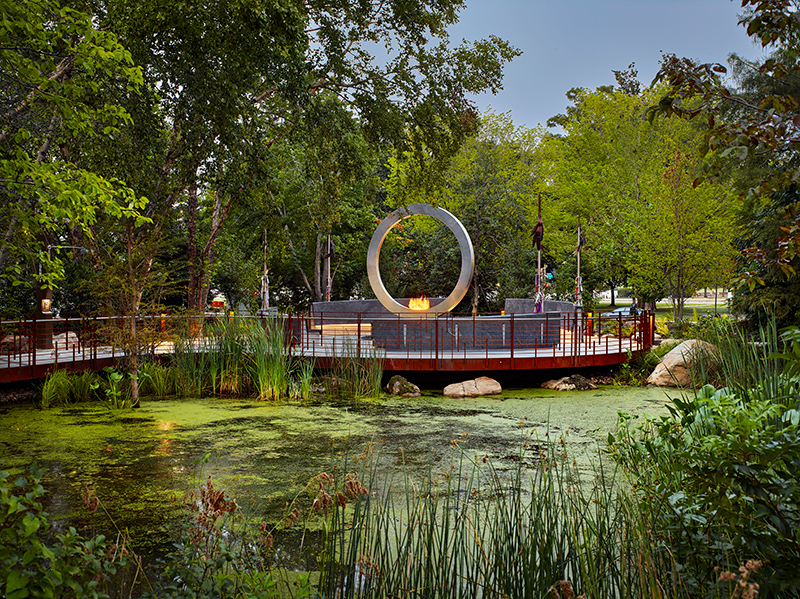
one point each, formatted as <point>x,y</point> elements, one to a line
<point>141,463</point>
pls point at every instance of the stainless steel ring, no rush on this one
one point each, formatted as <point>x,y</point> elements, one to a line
<point>464,244</point>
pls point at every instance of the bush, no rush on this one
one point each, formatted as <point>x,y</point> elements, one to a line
<point>720,478</point>
<point>71,567</point>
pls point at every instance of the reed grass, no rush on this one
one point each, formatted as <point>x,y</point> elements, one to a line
<point>479,531</point>
<point>191,366</point>
<point>64,388</point>
<point>57,389</point>
<point>84,386</point>
<point>269,359</point>
<point>157,380</point>
<point>740,361</point>
<point>240,356</point>
<point>355,376</point>
<point>304,376</point>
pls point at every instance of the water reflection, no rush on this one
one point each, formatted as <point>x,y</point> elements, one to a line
<point>141,464</point>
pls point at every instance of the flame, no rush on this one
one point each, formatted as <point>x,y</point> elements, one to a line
<point>419,303</point>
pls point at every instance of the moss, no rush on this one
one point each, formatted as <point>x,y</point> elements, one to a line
<point>141,463</point>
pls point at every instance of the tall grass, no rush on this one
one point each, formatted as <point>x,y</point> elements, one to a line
<point>84,386</point>
<point>740,361</point>
<point>238,356</point>
<point>303,370</point>
<point>269,359</point>
<point>57,389</point>
<point>63,388</point>
<point>189,359</point>
<point>157,379</point>
<point>747,365</point>
<point>353,376</point>
<point>479,531</point>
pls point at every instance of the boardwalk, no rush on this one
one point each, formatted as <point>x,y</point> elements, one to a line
<point>507,343</point>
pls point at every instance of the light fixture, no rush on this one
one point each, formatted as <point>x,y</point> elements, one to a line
<point>46,305</point>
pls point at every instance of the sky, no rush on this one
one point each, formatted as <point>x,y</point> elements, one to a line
<point>577,43</point>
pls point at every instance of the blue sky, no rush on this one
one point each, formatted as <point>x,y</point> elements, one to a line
<point>577,43</point>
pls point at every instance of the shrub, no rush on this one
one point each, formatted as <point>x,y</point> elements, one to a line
<point>720,477</point>
<point>70,567</point>
<point>218,556</point>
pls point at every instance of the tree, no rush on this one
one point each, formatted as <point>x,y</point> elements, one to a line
<point>683,234</point>
<point>55,65</point>
<point>600,162</point>
<point>651,217</point>
<point>234,78</point>
<point>757,123</point>
<point>490,187</point>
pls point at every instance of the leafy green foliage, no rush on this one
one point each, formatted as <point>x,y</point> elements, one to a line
<point>750,124</point>
<point>71,566</point>
<point>54,62</point>
<point>720,479</point>
<point>649,217</point>
<point>719,474</point>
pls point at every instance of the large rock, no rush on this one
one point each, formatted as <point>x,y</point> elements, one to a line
<point>474,388</point>
<point>575,382</point>
<point>14,343</point>
<point>674,370</point>
<point>66,341</point>
<point>401,386</point>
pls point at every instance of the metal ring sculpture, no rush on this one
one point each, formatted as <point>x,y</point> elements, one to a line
<point>464,244</point>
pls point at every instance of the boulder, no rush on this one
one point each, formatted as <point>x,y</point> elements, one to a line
<point>674,368</point>
<point>401,386</point>
<point>11,344</point>
<point>575,382</point>
<point>66,341</point>
<point>474,388</point>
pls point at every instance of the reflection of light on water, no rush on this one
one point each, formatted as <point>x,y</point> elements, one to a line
<point>164,446</point>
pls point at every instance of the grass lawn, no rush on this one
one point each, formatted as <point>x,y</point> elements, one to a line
<point>703,306</point>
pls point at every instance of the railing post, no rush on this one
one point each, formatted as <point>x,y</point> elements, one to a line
<point>513,340</point>
<point>436,342</point>
<point>358,340</point>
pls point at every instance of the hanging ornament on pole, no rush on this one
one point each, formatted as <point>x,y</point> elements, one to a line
<point>578,280</point>
<point>329,257</point>
<point>538,238</point>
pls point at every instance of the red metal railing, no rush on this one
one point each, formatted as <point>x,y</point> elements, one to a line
<point>30,348</point>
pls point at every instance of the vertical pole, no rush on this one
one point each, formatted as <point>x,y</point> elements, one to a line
<point>32,347</point>
<point>512,339</point>
<point>436,341</point>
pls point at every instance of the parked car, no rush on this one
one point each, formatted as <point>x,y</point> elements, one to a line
<point>624,311</point>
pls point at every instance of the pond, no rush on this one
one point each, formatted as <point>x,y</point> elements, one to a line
<point>141,463</point>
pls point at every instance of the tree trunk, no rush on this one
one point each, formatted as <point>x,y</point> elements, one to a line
<point>201,261</point>
<point>133,364</point>
<point>475,294</point>
<point>191,227</point>
<point>318,270</point>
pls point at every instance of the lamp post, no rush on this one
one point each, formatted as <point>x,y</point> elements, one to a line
<point>44,303</point>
